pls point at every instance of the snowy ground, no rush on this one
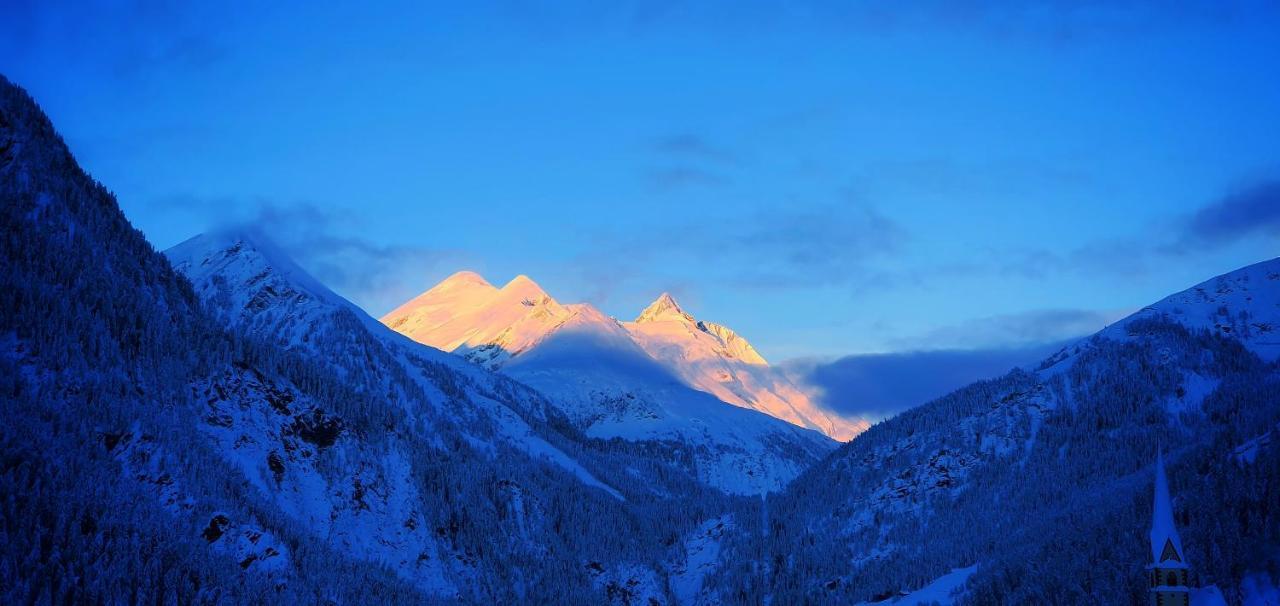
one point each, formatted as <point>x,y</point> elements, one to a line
<point>1259,590</point>
<point>700,558</point>
<point>946,589</point>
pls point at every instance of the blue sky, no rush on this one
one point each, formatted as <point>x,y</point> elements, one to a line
<point>827,179</point>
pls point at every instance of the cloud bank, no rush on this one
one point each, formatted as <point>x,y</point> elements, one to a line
<point>878,386</point>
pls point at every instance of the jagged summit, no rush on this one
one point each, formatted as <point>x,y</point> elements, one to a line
<point>715,359</point>
<point>664,309</point>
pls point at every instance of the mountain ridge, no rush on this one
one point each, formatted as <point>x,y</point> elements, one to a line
<point>704,355</point>
<point>216,426</point>
<point>256,286</point>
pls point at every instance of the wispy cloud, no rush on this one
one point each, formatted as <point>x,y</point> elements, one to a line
<point>675,177</point>
<point>323,241</point>
<point>1013,330</point>
<point>1252,211</point>
<point>778,247</point>
<point>377,274</point>
<point>1248,212</point>
<point>689,145</point>
<point>144,37</point>
<point>685,160</point>
<point>814,246</point>
<point>1054,22</point>
<point>1126,256</point>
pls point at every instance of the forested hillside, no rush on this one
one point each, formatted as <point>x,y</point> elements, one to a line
<point>159,450</point>
<point>110,492</point>
<point>1042,480</point>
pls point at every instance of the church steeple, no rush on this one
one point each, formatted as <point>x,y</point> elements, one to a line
<point>1165,544</point>
<point>1168,568</point>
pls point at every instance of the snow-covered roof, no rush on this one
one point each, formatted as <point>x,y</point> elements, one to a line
<point>1165,543</point>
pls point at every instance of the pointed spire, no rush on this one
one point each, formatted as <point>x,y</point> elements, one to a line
<point>664,308</point>
<point>1166,546</point>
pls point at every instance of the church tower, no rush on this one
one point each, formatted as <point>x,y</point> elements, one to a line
<point>1168,569</point>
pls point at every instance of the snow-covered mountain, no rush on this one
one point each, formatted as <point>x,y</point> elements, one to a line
<point>714,359</point>
<point>622,393</point>
<point>254,287</point>
<point>491,326</point>
<point>1243,305</point>
<point>1026,482</point>
<point>592,368</point>
<point>467,315</point>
